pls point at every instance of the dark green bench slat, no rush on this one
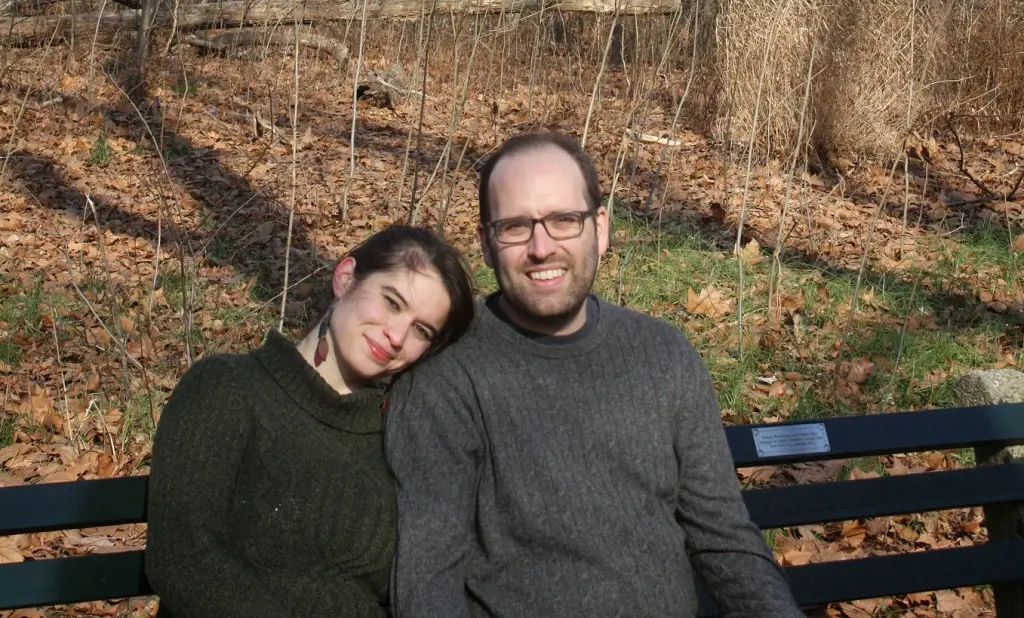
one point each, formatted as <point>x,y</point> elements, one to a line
<point>883,576</point>
<point>78,504</point>
<point>897,432</point>
<point>72,580</point>
<point>913,493</point>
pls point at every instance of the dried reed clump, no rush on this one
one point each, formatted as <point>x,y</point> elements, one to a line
<point>985,65</point>
<point>880,67</point>
<point>762,54</point>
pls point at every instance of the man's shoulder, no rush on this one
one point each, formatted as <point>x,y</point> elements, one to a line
<point>647,335</point>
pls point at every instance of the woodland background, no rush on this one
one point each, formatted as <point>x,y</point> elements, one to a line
<point>824,196</point>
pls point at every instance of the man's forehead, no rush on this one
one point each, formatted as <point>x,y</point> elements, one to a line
<point>543,169</point>
<point>542,155</point>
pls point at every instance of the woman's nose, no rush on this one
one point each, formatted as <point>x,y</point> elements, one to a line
<point>396,334</point>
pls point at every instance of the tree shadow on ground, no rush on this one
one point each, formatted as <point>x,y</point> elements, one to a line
<point>241,225</point>
<point>961,303</point>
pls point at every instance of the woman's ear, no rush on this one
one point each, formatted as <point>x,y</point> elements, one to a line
<point>344,276</point>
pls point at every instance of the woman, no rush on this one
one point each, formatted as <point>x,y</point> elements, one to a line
<point>269,494</point>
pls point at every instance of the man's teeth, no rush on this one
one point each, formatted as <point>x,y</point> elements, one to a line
<point>547,274</point>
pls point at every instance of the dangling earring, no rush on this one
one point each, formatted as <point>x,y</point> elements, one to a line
<point>322,347</point>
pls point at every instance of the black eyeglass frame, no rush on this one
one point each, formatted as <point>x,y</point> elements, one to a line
<point>582,214</point>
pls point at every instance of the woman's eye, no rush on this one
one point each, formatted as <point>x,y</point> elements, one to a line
<point>424,333</point>
<point>392,303</point>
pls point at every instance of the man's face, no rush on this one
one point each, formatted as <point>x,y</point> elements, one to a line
<point>544,281</point>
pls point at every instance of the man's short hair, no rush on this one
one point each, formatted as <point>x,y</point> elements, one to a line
<point>533,141</point>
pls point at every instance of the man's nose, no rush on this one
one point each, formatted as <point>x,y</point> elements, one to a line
<point>541,245</point>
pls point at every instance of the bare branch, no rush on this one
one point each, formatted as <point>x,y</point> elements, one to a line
<point>960,163</point>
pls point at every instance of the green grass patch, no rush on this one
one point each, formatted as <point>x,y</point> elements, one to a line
<point>864,464</point>
<point>977,261</point>
<point>10,354</point>
<point>137,419</point>
<point>652,271</point>
<point>22,312</point>
<point>185,88</point>
<point>6,430</point>
<point>100,155</point>
<point>232,316</point>
<point>483,279</point>
<point>174,286</point>
<point>653,275</point>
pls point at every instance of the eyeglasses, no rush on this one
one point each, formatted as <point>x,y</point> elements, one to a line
<point>558,225</point>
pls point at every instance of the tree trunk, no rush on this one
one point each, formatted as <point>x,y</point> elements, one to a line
<point>32,30</point>
<point>225,42</point>
<point>147,15</point>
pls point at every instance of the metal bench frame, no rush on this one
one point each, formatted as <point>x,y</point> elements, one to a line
<point>86,504</point>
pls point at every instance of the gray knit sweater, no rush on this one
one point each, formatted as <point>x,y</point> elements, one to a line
<point>589,478</point>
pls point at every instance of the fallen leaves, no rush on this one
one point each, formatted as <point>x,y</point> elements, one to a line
<point>751,253</point>
<point>8,552</point>
<point>709,303</point>
<point>228,206</point>
<point>859,370</point>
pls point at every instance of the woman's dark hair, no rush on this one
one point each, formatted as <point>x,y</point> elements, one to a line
<point>417,249</point>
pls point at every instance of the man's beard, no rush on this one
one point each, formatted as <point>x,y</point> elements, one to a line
<point>549,310</point>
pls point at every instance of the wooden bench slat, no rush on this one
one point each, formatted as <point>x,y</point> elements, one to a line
<point>897,432</point>
<point>913,493</point>
<point>883,576</point>
<point>73,580</point>
<point>77,504</point>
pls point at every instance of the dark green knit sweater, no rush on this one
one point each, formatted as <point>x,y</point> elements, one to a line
<point>269,494</point>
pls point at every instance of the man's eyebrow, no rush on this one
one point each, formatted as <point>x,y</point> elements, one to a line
<point>391,289</point>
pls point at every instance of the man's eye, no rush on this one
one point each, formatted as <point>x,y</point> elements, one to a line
<point>513,227</point>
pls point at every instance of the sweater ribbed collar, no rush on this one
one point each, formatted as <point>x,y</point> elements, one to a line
<point>575,346</point>
<point>356,412</point>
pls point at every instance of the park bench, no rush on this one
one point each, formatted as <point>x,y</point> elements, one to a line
<point>998,488</point>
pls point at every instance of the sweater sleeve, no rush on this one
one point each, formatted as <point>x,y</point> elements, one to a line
<point>433,450</point>
<point>197,455</point>
<point>725,546</point>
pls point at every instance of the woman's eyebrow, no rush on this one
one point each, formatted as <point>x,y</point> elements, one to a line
<point>391,289</point>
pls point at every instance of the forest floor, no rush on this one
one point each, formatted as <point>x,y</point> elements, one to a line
<point>138,234</point>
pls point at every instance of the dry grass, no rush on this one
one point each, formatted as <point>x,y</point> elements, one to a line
<point>986,54</point>
<point>881,67</point>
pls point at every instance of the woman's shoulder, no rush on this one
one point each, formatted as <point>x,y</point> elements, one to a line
<point>218,379</point>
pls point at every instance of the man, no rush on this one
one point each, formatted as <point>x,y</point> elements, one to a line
<point>566,457</point>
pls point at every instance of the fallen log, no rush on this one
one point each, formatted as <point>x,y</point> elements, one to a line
<point>281,36</point>
<point>230,14</point>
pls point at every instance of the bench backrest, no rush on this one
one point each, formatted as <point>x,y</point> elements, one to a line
<point>59,506</point>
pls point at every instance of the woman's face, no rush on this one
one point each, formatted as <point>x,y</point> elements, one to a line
<point>385,322</point>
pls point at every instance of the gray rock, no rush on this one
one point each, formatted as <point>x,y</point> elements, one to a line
<point>993,387</point>
<point>1004,521</point>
